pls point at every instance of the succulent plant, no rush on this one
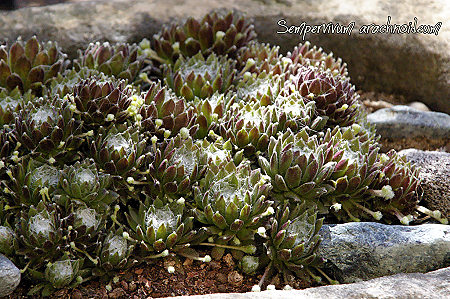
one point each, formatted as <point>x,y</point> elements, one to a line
<point>304,55</point>
<point>10,103</point>
<point>198,77</point>
<point>292,241</point>
<point>101,103</point>
<point>63,83</point>
<point>63,272</point>
<point>121,60</point>
<point>7,240</point>
<point>46,127</point>
<point>163,114</point>
<point>232,201</point>
<point>397,187</point>
<point>176,165</point>
<point>118,151</point>
<point>262,89</point>
<point>215,33</point>
<point>299,167</point>
<point>82,183</point>
<point>29,65</point>
<point>258,57</point>
<point>162,228</point>
<point>334,96</point>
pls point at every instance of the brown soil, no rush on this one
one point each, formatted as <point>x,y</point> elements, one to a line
<point>154,281</point>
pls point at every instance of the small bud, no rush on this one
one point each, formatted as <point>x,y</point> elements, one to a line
<point>336,206</point>
<point>90,133</point>
<point>110,117</point>
<point>287,287</point>
<point>61,144</point>
<point>184,132</point>
<point>176,47</point>
<point>356,128</point>
<point>167,134</point>
<point>158,123</point>
<point>143,76</point>
<point>206,259</point>
<point>270,287</point>
<point>73,108</point>
<point>256,288</point>
<point>79,279</point>
<point>116,208</point>
<point>144,44</point>
<point>377,215</point>
<point>2,164</point>
<point>387,193</point>
<point>70,227</point>
<point>220,35</point>
<point>108,287</point>
<point>171,269</point>
<point>436,214</point>
<point>261,230</point>
<point>51,160</point>
<point>130,180</point>
<point>154,139</point>
<point>405,220</point>
<point>165,253</point>
<point>181,201</point>
<point>126,235</point>
<point>247,76</point>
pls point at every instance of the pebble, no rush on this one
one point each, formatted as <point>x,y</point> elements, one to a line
<point>117,293</point>
<point>235,278</point>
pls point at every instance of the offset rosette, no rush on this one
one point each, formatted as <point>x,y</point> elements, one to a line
<point>356,169</point>
<point>47,127</point>
<point>233,202</point>
<point>30,181</point>
<point>101,103</point>
<point>199,78</point>
<point>215,33</point>
<point>262,89</point>
<point>164,115</point>
<point>396,190</point>
<point>11,103</point>
<point>119,151</point>
<point>120,60</point>
<point>292,242</point>
<point>63,83</point>
<point>304,55</point>
<point>258,57</point>
<point>335,97</point>
<point>299,166</point>
<point>161,229</point>
<point>83,184</point>
<point>176,165</point>
<point>30,66</point>
<point>41,230</point>
<point>63,273</point>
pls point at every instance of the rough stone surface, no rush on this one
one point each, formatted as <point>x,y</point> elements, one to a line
<point>358,251</point>
<point>414,65</point>
<point>435,178</point>
<point>433,285</point>
<point>9,276</point>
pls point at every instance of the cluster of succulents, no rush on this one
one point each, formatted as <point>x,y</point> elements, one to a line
<point>200,138</point>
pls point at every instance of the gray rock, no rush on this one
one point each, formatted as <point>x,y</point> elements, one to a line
<point>363,250</point>
<point>414,65</point>
<point>433,285</point>
<point>405,122</point>
<point>9,276</point>
<point>434,175</point>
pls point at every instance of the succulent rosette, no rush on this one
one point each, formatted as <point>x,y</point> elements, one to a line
<point>101,103</point>
<point>262,89</point>
<point>176,165</point>
<point>83,184</point>
<point>292,241</point>
<point>119,151</point>
<point>396,190</point>
<point>335,96</point>
<point>29,182</point>
<point>7,239</point>
<point>64,272</point>
<point>47,127</point>
<point>41,234</point>
<point>8,145</point>
<point>233,202</point>
<point>304,55</point>
<point>197,77</point>
<point>259,57</point>
<point>161,229</point>
<point>163,114</point>
<point>63,83</point>
<point>120,60</point>
<point>10,103</point>
<point>299,167</point>
<point>215,33</point>
<point>29,65</point>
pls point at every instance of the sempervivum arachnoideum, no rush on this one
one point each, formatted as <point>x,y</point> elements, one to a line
<point>396,190</point>
<point>101,103</point>
<point>83,184</point>
<point>163,114</point>
<point>30,65</point>
<point>215,33</point>
<point>41,231</point>
<point>292,241</point>
<point>259,57</point>
<point>304,55</point>
<point>11,103</point>
<point>356,169</point>
<point>232,201</point>
<point>160,229</point>
<point>47,129</point>
<point>197,77</point>
<point>176,164</point>
<point>119,151</point>
<point>259,88</point>
<point>299,166</point>
<point>121,60</point>
<point>335,96</point>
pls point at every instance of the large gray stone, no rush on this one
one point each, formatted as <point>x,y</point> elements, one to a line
<point>433,285</point>
<point>414,65</point>
<point>435,178</point>
<point>9,276</point>
<point>363,250</point>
